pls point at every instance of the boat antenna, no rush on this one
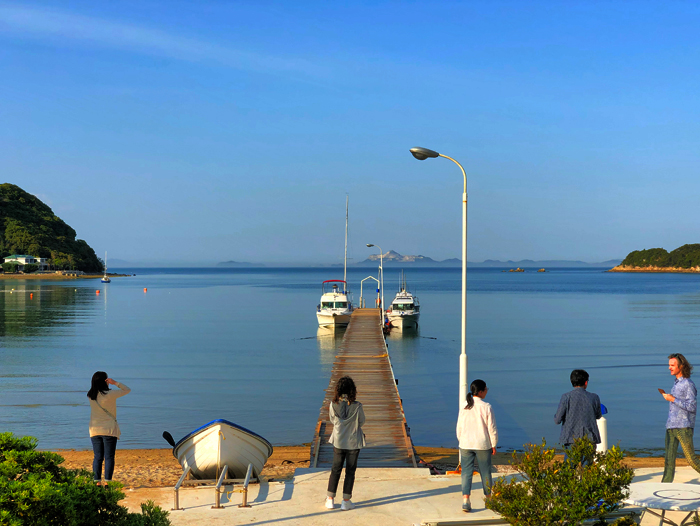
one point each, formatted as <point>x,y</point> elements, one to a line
<point>345,263</point>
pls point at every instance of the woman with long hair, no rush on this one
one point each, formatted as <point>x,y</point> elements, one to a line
<point>478,436</point>
<point>347,417</point>
<point>104,428</point>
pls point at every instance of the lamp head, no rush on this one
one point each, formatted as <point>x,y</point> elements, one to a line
<point>423,153</point>
<point>370,245</point>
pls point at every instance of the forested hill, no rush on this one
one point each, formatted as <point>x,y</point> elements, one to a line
<point>685,257</point>
<point>28,226</point>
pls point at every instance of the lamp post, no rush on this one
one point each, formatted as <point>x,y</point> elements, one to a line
<point>422,154</point>
<point>381,271</point>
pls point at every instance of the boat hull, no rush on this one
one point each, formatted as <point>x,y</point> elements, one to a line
<point>405,321</point>
<point>333,320</point>
<point>221,443</point>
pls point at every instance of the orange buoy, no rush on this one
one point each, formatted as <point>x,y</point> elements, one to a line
<point>97,292</point>
<point>31,295</point>
<point>145,289</point>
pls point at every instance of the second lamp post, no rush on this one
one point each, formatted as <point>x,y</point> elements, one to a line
<point>381,277</point>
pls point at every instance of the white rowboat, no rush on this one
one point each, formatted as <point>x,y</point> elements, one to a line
<point>222,443</point>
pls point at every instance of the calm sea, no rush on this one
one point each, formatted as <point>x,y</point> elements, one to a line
<point>243,344</point>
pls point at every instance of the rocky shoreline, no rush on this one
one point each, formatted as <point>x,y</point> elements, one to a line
<point>624,268</point>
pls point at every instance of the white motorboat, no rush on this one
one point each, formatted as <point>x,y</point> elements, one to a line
<point>405,308</point>
<point>336,308</point>
<point>105,278</point>
<point>221,443</point>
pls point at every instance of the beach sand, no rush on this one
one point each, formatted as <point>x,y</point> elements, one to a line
<point>153,468</point>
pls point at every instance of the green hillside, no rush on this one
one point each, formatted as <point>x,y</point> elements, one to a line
<point>28,226</point>
<point>686,256</point>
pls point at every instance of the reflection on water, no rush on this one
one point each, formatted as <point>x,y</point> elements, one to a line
<point>329,340</point>
<point>34,309</point>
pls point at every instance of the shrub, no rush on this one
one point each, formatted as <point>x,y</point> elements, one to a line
<point>9,267</point>
<point>36,490</point>
<point>28,269</point>
<point>585,485</point>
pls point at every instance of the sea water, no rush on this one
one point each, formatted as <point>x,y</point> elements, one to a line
<point>244,345</point>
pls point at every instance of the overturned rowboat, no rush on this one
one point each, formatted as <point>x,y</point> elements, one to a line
<point>206,450</point>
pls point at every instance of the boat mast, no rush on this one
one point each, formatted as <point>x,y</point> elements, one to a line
<point>345,264</point>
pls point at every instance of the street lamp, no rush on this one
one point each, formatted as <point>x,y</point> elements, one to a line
<point>422,154</point>
<point>381,271</point>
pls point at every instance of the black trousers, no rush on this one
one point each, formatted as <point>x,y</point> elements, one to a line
<point>340,457</point>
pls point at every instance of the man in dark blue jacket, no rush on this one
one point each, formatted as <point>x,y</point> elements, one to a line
<point>578,411</point>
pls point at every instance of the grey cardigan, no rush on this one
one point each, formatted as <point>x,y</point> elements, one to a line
<point>347,420</point>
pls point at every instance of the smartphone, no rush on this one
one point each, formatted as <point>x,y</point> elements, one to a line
<point>662,391</point>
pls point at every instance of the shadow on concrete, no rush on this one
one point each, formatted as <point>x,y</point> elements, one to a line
<point>454,489</point>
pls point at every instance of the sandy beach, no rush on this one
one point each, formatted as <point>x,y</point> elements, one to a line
<point>153,468</point>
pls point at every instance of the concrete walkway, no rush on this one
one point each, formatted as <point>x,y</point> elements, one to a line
<point>384,497</point>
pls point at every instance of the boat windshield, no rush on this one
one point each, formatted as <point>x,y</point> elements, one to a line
<point>403,306</point>
<point>334,305</point>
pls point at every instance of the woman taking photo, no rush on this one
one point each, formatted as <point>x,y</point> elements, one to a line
<point>104,429</point>
<point>347,417</point>
<point>478,436</point>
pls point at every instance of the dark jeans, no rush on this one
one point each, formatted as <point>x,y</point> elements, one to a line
<point>684,436</point>
<point>349,457</point>
<point>104,448</point>
<point>484,458</point>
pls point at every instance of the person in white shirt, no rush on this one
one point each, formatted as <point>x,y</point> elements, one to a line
<point>478,436</point>
<point>104,428</point>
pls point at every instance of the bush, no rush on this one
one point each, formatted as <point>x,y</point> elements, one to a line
<point>35,490</point>
<point>9,267</point>
<point>28,269</point>
<point>585,485</point>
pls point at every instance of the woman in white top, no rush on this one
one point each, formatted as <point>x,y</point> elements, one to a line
<point>104,428</point>
<point>478,436</point>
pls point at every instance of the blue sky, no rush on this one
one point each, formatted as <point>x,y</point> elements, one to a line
<point>201,132</point>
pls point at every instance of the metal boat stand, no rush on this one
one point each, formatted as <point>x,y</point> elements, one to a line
<point>221,481</point>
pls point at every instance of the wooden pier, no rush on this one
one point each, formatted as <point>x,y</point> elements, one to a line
<point>364,357</point>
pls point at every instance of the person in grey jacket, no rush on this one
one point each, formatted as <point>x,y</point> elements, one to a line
<point>347,416</point>
<point>578,411</point>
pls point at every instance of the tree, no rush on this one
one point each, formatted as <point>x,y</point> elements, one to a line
<point>29,268</point>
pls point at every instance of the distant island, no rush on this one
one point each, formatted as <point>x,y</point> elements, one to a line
<point>683,259</point>
<point>29,227</point>
<point>230,264</point>
<point>394,259</point>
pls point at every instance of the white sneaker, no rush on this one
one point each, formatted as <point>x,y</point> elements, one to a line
<point>347,505</point>
<point>329,503</point>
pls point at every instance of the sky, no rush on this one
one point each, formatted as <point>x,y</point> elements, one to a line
<point>200,132</point>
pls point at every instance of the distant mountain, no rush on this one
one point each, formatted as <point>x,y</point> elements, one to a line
<point>238,264</point>
<point>29,227</point>
<point>394,259</point>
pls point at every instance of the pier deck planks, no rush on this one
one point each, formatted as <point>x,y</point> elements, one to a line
<point>363,356</point>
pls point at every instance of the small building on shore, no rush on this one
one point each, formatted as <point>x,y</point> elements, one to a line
<point>22,260</point>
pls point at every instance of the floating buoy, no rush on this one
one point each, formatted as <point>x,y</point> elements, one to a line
<point>31,295</point>
<point>97,292</point>
<point>145,289</point>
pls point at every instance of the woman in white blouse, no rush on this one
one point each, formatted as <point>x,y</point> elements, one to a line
<point>104,428</point>
<point>478,436</point>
